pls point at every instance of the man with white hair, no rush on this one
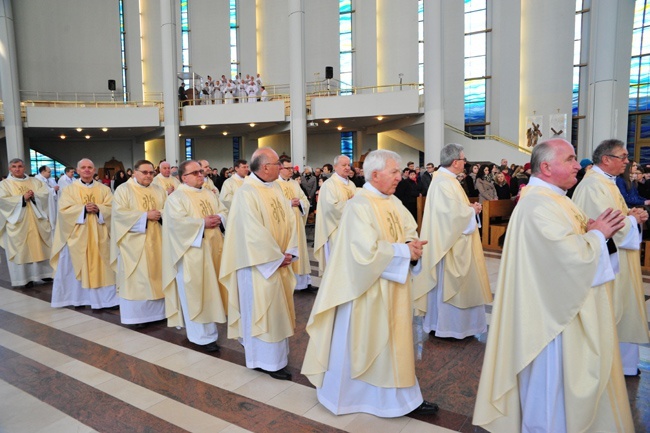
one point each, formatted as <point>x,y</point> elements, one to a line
<point>552,362</point>
<point>81,249</point>
<point>365,301</point>
<point>164,179</point>
<point>455,278</point>
<point>333,196</point>
<point>25,232</point>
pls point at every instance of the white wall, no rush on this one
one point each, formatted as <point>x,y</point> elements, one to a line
<point>454,64</point>
<point>217,150</point>
<point>321,39</point>
<point>154,150</point>
<point>407,153</point>
<point>209,37</point>
<point>364,41</point>
<point>273,40</point>
<point>397,38</point>
<point>67,45</point>
<point>151,64</point>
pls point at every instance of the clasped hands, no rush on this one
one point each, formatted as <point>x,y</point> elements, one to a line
<point>608,222</point>
<point>92,208</point>
<point>212,221</point>
<point>415,248</point>
<point>154,215</point>
<point>641,215</point>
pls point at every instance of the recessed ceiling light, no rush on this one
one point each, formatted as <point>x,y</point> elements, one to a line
<point>203,126</point>
<point>79,129</point>
<point>380,118</point>
<point>62,137</point>
<point>326,121</point>
<point>252,125</point>
<point>104,129</point>
<point>87,137</point>
<point>339,128</point>
<point>225,133</point>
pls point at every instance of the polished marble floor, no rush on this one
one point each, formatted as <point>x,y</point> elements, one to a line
<point>79,370</point>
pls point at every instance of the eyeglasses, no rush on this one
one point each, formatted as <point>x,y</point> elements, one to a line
<point>461,159</point>
<point>621,157</point>
<point>278,163</point>
<point>194,173</point>
<point>147,173</point>
<point>286,168</point>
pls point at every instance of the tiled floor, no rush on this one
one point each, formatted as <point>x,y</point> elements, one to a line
<point>79,370</point>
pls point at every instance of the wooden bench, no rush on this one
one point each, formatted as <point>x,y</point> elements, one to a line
<point>493,230</point>
<point>645,256</point>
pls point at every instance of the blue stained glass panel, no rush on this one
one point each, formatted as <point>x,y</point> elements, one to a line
<point>345,6</point>
<point>576,52</point>
<point>345,42</point>
<point>345,23</point>
<point>233,13</point>
<point>643,103</point>
<point>37,160</point>
<point>644,132</point>
<point>577,35</point>
<point>636,42</point>
<point>634,95</point>
<point>347,144</point>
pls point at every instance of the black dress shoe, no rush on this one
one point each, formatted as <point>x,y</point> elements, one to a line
<point>282,374</point>
<point>140,326</point>
<point>211,347</point>
<point>29,285</point>
<point>311,289</point>
<point>48,280</point>
<point>425,408</point>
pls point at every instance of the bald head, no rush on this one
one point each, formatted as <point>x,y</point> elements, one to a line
<point>165,168</point>
<point>554,161</point>
<point>265,163</point>
<point>86,170</point>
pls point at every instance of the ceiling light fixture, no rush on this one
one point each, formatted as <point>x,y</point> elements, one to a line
<point>79,129</point>
<point>252,125</point>
<point>203,126</point>
<point>339,128</point>
<point>104,129</point>
<point>326,121</point>
<point>87,137</point>
<point>380,118</point>
<point>225,133</point>
<point>62,137</point>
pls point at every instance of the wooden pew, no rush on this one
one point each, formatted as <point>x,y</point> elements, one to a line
<point>493,230</point>
<point>645,256</point>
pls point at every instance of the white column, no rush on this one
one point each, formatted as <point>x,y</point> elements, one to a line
<point>170,81</point>
<point>434,115</point>
<point>9,85</point>
<point>547,31</point>
<point>608,67</point>
<point>297,83</point>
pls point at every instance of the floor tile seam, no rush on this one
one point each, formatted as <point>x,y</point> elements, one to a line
<point>232,419</point>
<point>234,366</point>
<point>65,381</point>
<point>98,386</point>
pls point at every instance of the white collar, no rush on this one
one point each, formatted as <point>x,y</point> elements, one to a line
<point>601,171</point>
<point>535,181</point>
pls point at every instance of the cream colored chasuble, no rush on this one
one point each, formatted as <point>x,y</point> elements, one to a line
<point>141,253</point>
<point>88,243</point>
<point>543,290</point>
<point>594,195</point>
<point>380,308</point>
<point>29,239</point>
<point>291,189</point>
<point>182,221</point>
<point>261,228</point>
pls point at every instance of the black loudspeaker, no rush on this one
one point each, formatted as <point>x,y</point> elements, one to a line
<point>111,84</point>
<point>329,72</point>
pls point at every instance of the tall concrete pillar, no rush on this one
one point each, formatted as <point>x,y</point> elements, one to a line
<point>297,82</point>
<point>170,81</point>
<point>9,84</point>
<point>608,67</point>
<point>547,32</point>
<point>434,114</point>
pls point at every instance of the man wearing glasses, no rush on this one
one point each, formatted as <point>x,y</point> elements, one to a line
<point>81,248</point>
<point>596,193</point>
<point>454,276</point>
<point>300,209</point>
<point>233,183</point>
<point>261,242</point>
<point>136,246</point>
<point>192,243</point>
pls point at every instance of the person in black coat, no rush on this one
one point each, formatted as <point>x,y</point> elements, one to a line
<point>408,191</point>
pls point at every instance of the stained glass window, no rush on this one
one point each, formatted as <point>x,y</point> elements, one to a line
<point>185,39</point>
<point>123,50</point>
<point>234,28</point>
<point>347,144</point>
<point>345,46</point>
<point>37,160</point>
<point>476,77</point>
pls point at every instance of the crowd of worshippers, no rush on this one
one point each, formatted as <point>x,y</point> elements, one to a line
<point>223,91</point>
<point>179,248</point>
